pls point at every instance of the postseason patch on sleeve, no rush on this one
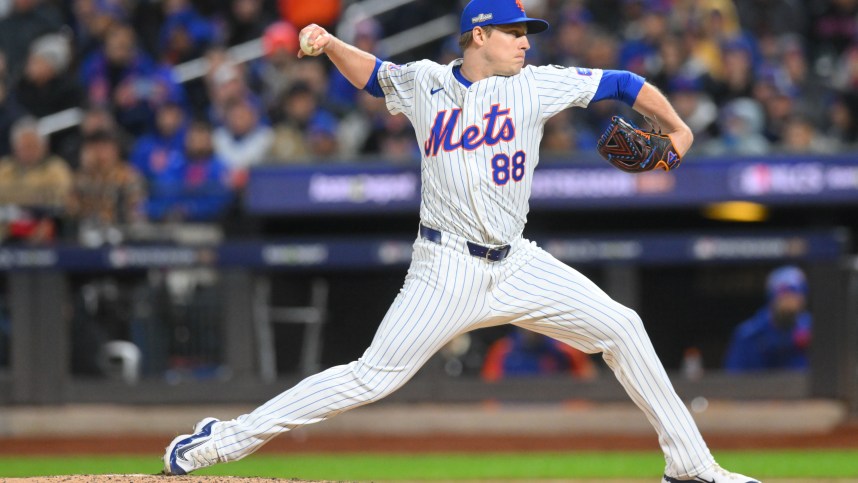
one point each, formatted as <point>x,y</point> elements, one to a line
<point>582,71</point>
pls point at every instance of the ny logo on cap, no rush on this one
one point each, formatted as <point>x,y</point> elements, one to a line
<point>520,6</point>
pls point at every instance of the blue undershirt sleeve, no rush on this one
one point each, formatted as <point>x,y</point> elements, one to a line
<point>619,84</point>
<point>372,86</point>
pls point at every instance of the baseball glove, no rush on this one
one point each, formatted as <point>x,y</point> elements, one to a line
<point>632,150</point>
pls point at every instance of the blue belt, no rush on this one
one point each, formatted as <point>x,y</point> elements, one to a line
<point>479,251</point>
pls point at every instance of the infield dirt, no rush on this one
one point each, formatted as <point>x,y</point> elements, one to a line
<point>229,479</point>
<point>152,479</point>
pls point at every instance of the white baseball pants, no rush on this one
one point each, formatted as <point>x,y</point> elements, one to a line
<point>448,292</point>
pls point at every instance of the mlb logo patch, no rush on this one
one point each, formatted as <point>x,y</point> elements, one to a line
<point>482,17</point>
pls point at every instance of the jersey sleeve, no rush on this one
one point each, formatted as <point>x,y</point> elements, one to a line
<point>562,87</point>
<point>398,84</point>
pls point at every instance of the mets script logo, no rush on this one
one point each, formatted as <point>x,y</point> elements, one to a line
<point>498,127</point>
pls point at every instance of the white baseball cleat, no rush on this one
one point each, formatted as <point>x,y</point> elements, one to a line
<point>715,474</point>
<point>190,452</point>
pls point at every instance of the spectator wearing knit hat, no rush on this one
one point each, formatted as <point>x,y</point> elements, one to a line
<point>29,20</point>
<point>741,124</point>
<point>227,84</point>
<point>45,87</point>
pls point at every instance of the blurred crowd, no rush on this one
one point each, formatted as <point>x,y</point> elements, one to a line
<point>750,77</point>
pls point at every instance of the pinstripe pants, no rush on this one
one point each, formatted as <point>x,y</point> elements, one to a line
<point>448,292</point>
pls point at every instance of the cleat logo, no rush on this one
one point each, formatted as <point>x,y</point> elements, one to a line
<point>181,452</point>
<point>698,479</point>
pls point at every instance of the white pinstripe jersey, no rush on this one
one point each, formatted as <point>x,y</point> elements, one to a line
<point>480,144</point>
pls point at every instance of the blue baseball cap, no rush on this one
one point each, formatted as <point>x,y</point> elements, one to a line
<point>479,13</point>
<point>786,279</point>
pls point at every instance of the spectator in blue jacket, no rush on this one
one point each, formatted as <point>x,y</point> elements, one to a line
<point>195,187</point>
<point>124,77</point>
<point>778,335</point>
<point>153,151</point>
<point>185,34</point>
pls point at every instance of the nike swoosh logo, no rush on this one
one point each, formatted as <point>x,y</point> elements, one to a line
<point>697,478</point>
<point>181,453</point>
<point>435,91</point>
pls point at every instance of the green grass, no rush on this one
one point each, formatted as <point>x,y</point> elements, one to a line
<point>763,464</point>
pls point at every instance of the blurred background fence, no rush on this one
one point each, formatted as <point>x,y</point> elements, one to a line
<point>260,211</point>
<point>238,320</point>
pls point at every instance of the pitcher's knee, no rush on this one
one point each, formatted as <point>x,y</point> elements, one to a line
<point>377,382</point>
<point>635,324</point>
<point>627,326</point>
<point>374,392</point>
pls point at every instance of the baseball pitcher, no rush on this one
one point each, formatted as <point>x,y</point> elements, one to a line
<point>479,121</point>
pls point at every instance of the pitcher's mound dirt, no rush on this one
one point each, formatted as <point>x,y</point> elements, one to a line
<point>151,479</point>
<point>231,479</point>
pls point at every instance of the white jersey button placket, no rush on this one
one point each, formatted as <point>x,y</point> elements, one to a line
<point>472,116</point>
